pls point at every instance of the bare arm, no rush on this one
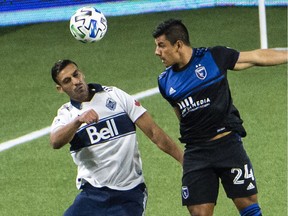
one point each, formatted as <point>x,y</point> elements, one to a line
<point>65,134</point>
<point>159,137</point>
<point>261,57</point>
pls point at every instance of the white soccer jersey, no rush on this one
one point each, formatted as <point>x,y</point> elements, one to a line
<point>105,152</point>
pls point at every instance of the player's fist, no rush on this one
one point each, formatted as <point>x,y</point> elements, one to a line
<point>89,117</point>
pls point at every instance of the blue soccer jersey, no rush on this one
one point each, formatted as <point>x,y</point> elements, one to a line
<point>201,92</point>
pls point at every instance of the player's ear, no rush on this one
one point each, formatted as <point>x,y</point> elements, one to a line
<point>179,44</point>
<point>59,88</point>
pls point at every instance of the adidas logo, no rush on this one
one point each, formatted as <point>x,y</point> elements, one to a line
<point>250,186</point>
<point>172,91</point>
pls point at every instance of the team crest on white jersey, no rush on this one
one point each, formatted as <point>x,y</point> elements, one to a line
<point>201,72</point>
<point>185,192</point>
<point>111,104</point>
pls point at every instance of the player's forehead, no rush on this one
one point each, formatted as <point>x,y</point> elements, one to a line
<point>69,70</point>
<point>161,40</point>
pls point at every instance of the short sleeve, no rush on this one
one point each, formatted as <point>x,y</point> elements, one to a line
<point>62,118</point>
<point>131,106</point>
<point>225,57</point>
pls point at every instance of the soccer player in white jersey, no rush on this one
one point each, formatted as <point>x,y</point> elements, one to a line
<point>100,124</point>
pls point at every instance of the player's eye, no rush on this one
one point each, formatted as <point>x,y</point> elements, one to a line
<point>76,74</point>
<point>66,80</point>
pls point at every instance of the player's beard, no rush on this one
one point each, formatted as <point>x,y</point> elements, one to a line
<point>81,93</point>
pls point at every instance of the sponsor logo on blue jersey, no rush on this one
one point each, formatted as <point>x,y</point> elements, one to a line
<point>189,105</point>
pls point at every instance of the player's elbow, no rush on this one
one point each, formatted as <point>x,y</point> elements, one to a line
<point>158,137</point>
<point>54,143</point>
<point>161,143</point>
<point>155,137</point>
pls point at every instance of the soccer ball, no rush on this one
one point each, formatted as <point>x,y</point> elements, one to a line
<point>88,25</point>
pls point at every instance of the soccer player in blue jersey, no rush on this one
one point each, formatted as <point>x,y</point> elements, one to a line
<point>100,123</point>
<point>195,84</point>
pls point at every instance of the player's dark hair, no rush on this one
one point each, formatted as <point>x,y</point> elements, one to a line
<point>174,30</point>
<point>58,67</point>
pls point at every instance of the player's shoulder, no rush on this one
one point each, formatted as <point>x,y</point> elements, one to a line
<point>67,107</point>
<point>164,73</point>
<point>223,52</point>
<point>221,49</point>
<point>200,51</point>
<point>113,91</point>
<point>108,88</point>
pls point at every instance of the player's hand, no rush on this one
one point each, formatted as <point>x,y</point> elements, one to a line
<point>88,117</point>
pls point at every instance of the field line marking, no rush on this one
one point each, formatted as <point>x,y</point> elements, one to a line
<point>42,132</point>
<point>28,137</point>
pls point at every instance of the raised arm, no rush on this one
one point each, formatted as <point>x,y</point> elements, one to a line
<point>261,57</point>
<point>159,137</point>
<point>64,134</point>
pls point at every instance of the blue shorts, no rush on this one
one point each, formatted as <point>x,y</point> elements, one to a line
<point>104,201</point>
<point>206,163</point>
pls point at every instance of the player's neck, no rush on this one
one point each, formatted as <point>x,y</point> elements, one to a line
<point>185,57</point>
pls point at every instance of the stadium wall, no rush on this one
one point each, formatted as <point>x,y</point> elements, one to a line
<point>36,11</point>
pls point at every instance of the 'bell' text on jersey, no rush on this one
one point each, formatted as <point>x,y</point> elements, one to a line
<point>201,93</point>
<point>106,152</point>
<point>105,130</point>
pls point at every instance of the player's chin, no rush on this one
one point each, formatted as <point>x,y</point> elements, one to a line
<point>167,64</point>
<point>164,62</point>
<point>80,96</point>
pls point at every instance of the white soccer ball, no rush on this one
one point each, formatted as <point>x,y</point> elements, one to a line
<point>88,25</point>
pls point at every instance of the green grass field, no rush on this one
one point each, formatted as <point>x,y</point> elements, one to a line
<point>36,180</point>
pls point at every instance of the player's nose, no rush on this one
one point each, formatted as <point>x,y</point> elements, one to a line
<point>75,81</point>
<point>157,51</point>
